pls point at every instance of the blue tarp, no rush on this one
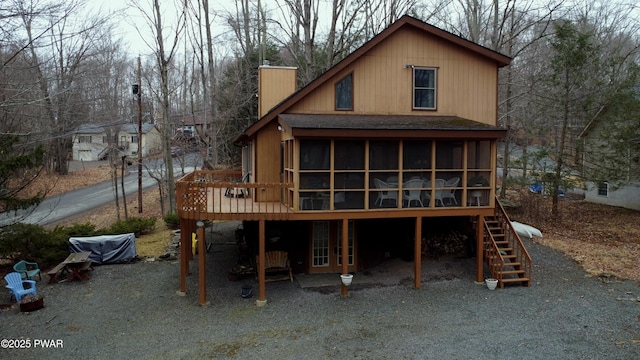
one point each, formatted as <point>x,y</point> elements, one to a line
<point>537,188</point>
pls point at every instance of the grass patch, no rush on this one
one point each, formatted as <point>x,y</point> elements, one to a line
<point>154,244</point>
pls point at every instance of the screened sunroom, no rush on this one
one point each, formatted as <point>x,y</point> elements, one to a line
<point>352,173</point>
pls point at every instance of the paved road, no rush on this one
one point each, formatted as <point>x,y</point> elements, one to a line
<point>65,205</point>
<point>59,207</point>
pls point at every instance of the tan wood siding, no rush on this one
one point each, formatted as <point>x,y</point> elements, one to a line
<point>466,83</point>
<point>274,85</point>
<point>267,161</point>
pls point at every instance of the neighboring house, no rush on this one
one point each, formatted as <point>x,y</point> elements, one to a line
<point>394,144</point>
<point>91,142</point>
<point>611,152</point>
<point>192,124</point>
<point>191,131</point>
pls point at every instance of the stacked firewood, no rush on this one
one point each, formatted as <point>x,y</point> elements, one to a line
<point>450,242</point>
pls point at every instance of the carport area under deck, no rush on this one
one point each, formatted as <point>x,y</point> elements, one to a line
<point>223,256</point>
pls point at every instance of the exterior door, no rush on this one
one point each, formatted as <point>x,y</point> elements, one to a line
<point>85,155</point>
<point>326,247</point>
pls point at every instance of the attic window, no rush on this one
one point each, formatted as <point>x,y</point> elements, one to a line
<point>344,93</point>
<point>424,88</point>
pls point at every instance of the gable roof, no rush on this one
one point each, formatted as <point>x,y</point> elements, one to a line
<point>133,128</point>
<point>99,129</point>
<point>406,20</point>
<point>592,123</point>
<point>89,129</point>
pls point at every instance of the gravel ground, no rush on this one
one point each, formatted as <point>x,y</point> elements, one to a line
<point>132,312</point>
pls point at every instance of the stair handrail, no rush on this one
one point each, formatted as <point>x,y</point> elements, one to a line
<point>495,260</point>
<point>500,208</point>
<point>523,255</point>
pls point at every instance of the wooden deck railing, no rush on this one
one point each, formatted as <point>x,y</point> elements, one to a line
<point>220,195</point>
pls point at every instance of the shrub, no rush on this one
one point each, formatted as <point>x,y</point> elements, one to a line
<point>172,220</point>
<point>33,243</point>
<point>139,226</point>
<point>65,232</point>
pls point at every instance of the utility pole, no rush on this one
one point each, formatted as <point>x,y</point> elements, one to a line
<point>139,137</point>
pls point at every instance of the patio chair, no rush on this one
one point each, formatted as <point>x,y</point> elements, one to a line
<point>439,192</point>
<point>16,285</point>
<point>276,262</point>
<point>450,193</point>
<point>411,191</point>
<point>236,192</point>
<point>385,194</point>
<point>28,270</point>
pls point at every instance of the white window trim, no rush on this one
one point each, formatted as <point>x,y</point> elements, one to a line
<point>435,88</point>
<point>606,184</point>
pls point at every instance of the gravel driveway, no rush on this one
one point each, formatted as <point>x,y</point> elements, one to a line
<point>132,312</point>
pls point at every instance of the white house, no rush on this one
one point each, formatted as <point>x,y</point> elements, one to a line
<point>91,142</point>
<point>605,135</point>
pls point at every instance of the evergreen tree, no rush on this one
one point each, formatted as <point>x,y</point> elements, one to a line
<point>19,167</point>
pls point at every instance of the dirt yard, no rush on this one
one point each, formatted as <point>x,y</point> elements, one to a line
<point>605,240</point>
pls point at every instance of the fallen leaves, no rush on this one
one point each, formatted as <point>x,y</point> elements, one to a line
<point>602,239</point>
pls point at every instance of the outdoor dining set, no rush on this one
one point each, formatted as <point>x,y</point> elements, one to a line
<point>416,192</point>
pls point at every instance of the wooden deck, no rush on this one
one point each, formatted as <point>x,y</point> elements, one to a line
<point>219,195</point>
<point>208,198</point>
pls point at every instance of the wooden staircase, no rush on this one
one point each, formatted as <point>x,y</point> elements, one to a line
<point>504,253</point>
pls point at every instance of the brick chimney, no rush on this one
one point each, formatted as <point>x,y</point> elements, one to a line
<point>275,83</point>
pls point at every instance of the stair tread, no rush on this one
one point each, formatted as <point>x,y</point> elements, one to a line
<point>510,272</point>
<point>504,255</point>
<point>512,264</point>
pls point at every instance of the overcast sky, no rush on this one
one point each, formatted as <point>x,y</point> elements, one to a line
<point>131,18</point>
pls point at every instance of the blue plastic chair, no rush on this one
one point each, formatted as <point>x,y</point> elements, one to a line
<point>16,285</point>
<point>28,270</point>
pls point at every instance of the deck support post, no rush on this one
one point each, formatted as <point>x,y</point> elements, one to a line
<point>185,238</point>
<point>344,253</point>
<point>479,249</point>
<point>202,262</point>
<point>417,253</point>
<point>262,300</point>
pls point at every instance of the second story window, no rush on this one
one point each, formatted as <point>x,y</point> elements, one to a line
<point>344,93</point>
<point>84,139</point>
<point>424,88</point>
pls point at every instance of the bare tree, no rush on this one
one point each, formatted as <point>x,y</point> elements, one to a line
<point>58,59</point>
<point>165,50</point>
<point>202,41</point>
<point>157,170</point>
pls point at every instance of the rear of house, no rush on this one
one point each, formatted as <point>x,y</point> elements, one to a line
<point>393,146</point>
